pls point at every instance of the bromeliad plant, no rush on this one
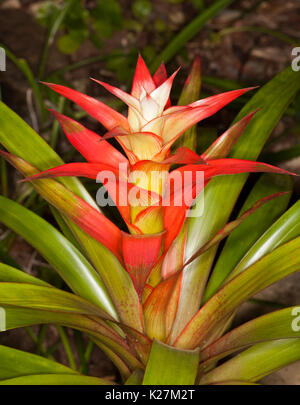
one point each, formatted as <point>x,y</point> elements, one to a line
<point>151,297</point>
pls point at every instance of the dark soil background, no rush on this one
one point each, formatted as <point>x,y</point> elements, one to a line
<point>250,57</point>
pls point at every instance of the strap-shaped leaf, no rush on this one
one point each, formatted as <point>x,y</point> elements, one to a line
<point>94,327</point>
<point>255,363</point>
<point>56,379</point>
<point>10,274</point>
<point>273,326</point>
<point>273,267</point>
<point>16,363</point>
<point>221,194</point>
<point>284,229</point>
<point>58,251</point>
<point>170,366</point>
<point>241,239</point>
<point>40,297</point>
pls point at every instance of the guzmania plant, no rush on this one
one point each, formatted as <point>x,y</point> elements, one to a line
<point>159,299</point>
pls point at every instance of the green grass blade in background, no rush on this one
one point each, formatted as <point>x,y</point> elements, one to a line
<point>58,251</point>
<point>242,238</point>
<point>170,366</point>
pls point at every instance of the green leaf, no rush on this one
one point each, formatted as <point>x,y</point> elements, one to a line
<point>95,328</point>
<point>58,251</point>
<point>255,363</point>
<point>222,192</point>
<point>170,366</point>
<point>10,274</point>
<point>16,363</point>
<point>189,94</point>
<point>241,239</point>
<point>273,326</point>
<point>136,378</point>
<point>21,140</point>
<point>231,226</point>
<point>55,379</point>
<point>278,264</point>
<point>284,229</point>
<point>40,297</point>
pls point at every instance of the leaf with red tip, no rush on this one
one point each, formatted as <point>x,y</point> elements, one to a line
<point>159,77</point>
<point>116,186</point>
<point>88,143</point>
<point>87,218</point>
<point>140,253</point>
<point>179,122</point>
<point>233,166</point>
<point>162,93</point>
<point>174,214</point>
<point>89,170</point>
<point>223,145</point>
<point>175,121</point>
<point>108,117</point>
<point>142,79</point>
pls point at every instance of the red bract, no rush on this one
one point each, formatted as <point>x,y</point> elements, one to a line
<point>149,203</point>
